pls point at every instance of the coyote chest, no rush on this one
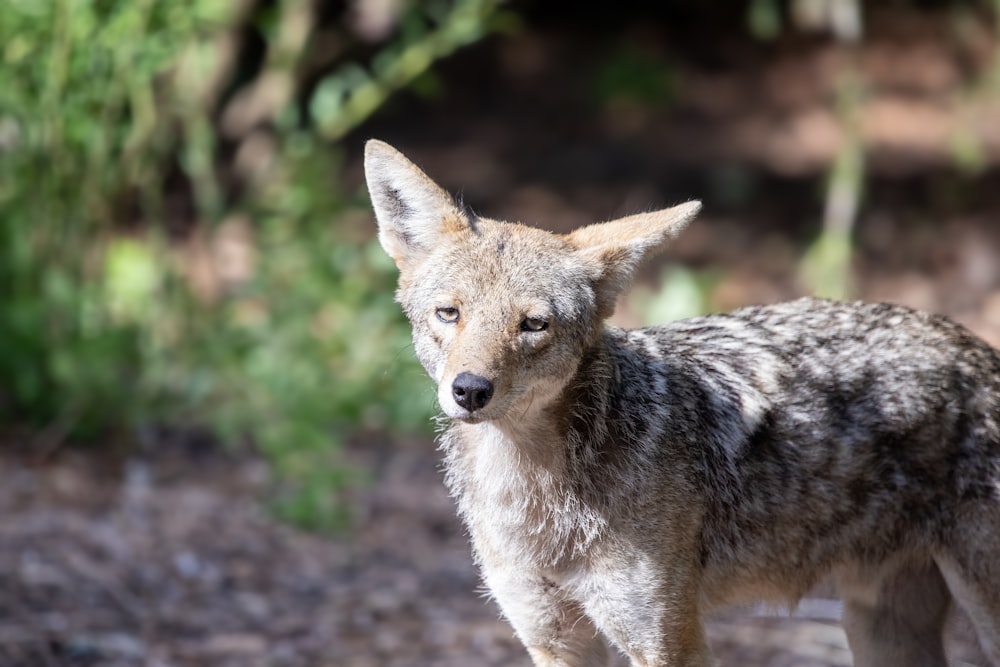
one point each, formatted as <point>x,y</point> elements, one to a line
<point>525,509</point>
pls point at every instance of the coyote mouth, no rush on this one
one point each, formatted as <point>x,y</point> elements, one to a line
<point>471,418</point>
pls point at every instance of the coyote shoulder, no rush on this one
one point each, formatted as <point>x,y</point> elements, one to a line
<point>624,482</point>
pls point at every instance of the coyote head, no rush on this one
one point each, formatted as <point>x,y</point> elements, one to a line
<point>501,313</point>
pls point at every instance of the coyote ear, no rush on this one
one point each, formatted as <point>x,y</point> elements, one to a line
<point>615,249</point>
<point>412,210</point>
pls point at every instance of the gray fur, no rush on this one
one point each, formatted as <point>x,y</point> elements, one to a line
<point>625,482</point>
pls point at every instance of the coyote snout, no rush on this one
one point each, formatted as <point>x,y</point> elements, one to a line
<point>621,483</point>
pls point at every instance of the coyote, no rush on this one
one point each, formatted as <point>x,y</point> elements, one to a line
<point>624,482</point>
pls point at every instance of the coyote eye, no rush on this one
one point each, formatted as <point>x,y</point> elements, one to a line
<point>534,324</point>
<point>447,314</point>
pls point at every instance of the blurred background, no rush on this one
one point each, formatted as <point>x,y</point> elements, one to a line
<point>215,442</point>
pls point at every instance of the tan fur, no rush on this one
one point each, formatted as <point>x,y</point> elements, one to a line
<point>622,483</point>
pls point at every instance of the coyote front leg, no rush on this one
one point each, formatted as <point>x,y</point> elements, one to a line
<point>554,628</point>
<point>651,614</point>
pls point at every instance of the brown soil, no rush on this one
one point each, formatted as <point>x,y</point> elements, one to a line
<point>169,560</point>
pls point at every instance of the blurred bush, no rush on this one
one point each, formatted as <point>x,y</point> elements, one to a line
<point>174,247</point>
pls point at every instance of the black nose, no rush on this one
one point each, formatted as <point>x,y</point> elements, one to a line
<point>471,391</point>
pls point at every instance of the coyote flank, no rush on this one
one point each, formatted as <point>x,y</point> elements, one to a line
<point>623,482</point>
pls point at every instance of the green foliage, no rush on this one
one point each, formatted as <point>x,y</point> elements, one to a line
<point>764,19</point>
<point>682,294</point>
<point>826,266</point>
<point>309,350</point>
<point>102,104</point>
<point>632,76</point>
<point>353,93</point>
<point>76,91</point>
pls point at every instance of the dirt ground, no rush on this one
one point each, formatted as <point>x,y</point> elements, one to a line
<point>170,560</point>
<point>167,557</point>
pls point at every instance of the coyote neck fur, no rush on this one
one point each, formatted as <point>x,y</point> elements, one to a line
<point>507,475</point>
